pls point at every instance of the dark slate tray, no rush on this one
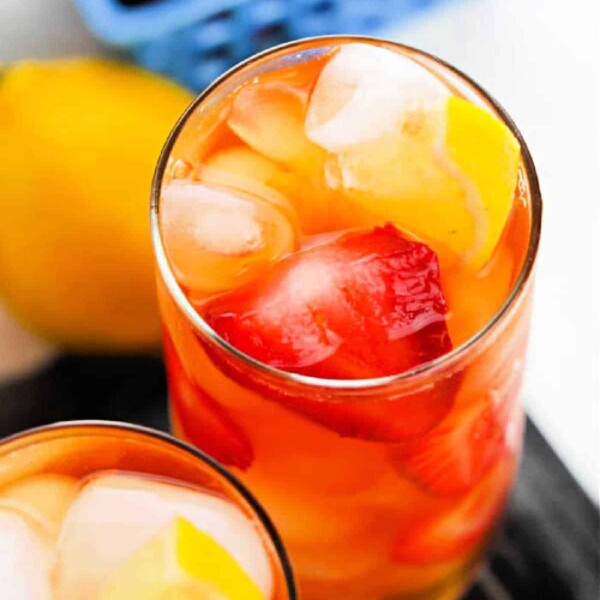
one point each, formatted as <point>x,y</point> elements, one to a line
<point>549,546</point>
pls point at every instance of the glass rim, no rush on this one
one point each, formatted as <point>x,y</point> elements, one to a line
<point>214,466</point>
<point>185,306</point>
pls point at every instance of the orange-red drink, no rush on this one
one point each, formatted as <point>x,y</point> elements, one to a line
<point>345,230</point>
<point>108,511</point>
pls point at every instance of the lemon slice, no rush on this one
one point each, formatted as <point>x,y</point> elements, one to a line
<point>488,155</point>
<point>403,149</point>
<point>181,562</point>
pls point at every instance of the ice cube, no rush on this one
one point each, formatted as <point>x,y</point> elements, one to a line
<point>47,497</point>
<point>242,168</point>
<point>115,515</point>
<point>218,237</point>
<point>25,559</point>
<point>313,198</point>
<point>365,91</point>
<point>269,117</point>
<point>386,134</point>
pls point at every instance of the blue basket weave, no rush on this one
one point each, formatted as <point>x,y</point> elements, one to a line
<point>194,41</point>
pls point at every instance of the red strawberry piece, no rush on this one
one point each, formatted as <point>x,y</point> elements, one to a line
<point>459,527</point>
<point>365,305</point>
<point>457,454</point>
<point>204,422</point>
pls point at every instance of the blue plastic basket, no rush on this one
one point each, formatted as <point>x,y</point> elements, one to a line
<point>193,41</point>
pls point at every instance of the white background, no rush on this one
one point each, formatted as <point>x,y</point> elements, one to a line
<point>540,59</point>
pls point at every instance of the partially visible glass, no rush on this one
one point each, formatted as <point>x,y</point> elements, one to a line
<point>360,518</point>
<point>45,472</point>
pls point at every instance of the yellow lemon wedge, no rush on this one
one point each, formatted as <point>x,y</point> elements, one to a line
<point>404,149</point>
<point>488,155</point>
<point>181,562</point>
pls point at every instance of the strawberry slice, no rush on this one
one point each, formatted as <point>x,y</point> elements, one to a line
<point>457,454</point>
<point>204,422</point>
<point>460,527</point>
<point>364,305</point>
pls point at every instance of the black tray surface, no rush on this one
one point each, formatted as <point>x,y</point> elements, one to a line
<point>549,546</point>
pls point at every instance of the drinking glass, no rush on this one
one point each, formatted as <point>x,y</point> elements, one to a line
<point>363,519</point>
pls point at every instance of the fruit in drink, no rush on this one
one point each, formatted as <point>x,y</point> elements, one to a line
<point>365,305</point>
<point>180,562</point>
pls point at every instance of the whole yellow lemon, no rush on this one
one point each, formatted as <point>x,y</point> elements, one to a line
<point>79,140</point>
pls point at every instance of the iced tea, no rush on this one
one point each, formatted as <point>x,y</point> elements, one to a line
<point>344,231</point>
<point>113,512</point>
